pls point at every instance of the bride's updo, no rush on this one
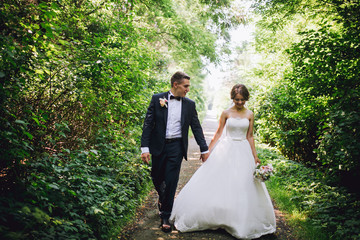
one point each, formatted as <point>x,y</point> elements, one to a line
<point>240,89</point>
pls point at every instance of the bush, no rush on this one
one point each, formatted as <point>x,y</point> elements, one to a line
<point>79,194</point>
<point>332,210</point>
<point>310,113</point>
<point>76,78</point>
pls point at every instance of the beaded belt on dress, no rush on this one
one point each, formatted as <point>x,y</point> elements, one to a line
<point>237,139</point>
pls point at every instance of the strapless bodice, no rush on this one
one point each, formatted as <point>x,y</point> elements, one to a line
<point>236,128</point>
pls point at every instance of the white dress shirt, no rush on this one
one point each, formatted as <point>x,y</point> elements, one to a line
<point>173,128</point>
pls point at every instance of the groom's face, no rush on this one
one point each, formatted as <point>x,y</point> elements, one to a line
<point>182,88</point>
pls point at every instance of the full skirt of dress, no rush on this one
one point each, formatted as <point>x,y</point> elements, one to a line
<point>224,194</point>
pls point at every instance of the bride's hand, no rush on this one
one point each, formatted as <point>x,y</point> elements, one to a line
<point>257,160</point>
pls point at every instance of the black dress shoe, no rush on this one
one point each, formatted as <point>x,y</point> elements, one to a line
<point>167,228</point>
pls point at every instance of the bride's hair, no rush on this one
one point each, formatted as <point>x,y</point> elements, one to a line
<point>240,89</point>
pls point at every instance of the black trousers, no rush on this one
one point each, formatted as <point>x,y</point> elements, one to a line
<point>165,175</point>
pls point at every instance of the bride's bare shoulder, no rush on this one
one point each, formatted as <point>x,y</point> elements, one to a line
<point>249,112</point>
<point>225,114</point>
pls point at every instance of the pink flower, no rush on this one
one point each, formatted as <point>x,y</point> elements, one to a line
<point>163,102</point>
<point>263,173</point>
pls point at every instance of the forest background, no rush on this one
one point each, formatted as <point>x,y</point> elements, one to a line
<point>76,78</point>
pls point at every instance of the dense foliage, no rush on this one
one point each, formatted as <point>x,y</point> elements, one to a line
<point>317,210</point>
<point>302,70</point>
<point>309,109</point>
<point>76,77</point>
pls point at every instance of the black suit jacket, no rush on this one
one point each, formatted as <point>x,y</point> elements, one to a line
<point>154,128</point>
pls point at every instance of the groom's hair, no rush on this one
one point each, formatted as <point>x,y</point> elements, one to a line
<point>178,77</point>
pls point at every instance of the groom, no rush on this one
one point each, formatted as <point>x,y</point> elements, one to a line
<point>165,136</point>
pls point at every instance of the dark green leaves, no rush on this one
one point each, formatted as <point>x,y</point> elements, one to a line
<point>76,78</point>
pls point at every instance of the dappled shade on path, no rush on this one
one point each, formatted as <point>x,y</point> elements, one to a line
<point>146,225</point>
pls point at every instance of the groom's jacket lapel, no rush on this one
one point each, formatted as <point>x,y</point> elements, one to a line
<point>166,96</point>
<point>183,111</point>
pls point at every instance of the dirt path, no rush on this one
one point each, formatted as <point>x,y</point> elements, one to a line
<point>146,225</point>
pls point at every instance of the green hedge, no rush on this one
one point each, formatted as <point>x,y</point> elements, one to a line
<point>80,194</point>
<point>76,79</point>
<point>315,209</point>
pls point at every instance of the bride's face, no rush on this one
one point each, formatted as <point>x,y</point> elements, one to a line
<point>239,101</point>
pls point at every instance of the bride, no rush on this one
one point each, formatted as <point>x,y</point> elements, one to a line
<point>223,192</point>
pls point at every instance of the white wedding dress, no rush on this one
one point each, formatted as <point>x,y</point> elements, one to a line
<point>223,192</point>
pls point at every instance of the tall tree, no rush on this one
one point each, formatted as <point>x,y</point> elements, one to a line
<point>310,112</point>
<point>75,78</point>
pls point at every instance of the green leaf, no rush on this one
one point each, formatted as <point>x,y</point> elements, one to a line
<point>72,192</point>
<point>37,121</point>
<point>96,211</point>
<point>29,135</point>
<point>65,43</point>
<point>94,152</point>
<point>54,186</point>
<point>62,134</point>
<point>21,122</point>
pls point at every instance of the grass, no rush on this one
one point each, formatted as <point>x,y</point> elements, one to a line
<point>298,220</point>
<point>306,201</point>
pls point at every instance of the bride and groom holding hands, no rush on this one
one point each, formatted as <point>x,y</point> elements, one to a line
<point>222,193</point>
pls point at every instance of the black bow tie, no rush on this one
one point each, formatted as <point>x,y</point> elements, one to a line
<point>173,97</point>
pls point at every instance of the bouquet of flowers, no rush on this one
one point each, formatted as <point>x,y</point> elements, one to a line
<point>263,173</point>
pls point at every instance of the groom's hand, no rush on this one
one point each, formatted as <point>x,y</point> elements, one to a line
<point>145,157</point>
<point>204,156</point>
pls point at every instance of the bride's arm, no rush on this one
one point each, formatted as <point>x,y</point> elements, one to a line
<point>219,131</point>
<point>250,138</point>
